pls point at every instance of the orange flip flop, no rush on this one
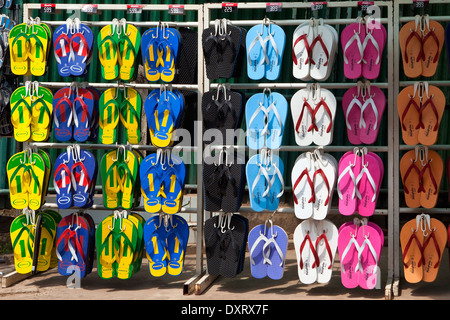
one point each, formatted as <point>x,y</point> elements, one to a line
<point>433,37</point>
<point>410,173</point>
<point>431,175</point>
<point>411,48</point>
<point>408,107</point>
<point>433,248</point>
<point>431,112</point>
<point>411,240</point>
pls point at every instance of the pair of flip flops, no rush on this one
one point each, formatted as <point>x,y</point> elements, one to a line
<point>224,181</point>
<point>75,243</point>
<point>124,105</point>
<point>360,244</point>
<point>225,237</point>
<point>420,109</point>
<point>222,110</point>
<point>314,47</point>
<point>315,244</point>
<point>120,177</point>
<point>30,44</point>
<point>421,171</point>
<point>359,181</point>
<point>160,48</point>
<point>75,114</point>
<point>313,112</point>
<point>162,178</point>
<point>423,241</point>
<point>421,43</point>
<point>73,47</point>
<point>166,238</point>
<point>164,110</point>
<point>363,107</point>
<point>265,117</point>
<point>28,175</point>
<point>31,112</point>
<point>120,247</point>
<point>264,173</point>
<point>313,180</point>
<point>32,238</point>
<point>224,49</point>
<point>118,50</point>
<point>363,43</point>
<point>265,45</point>
<point>74,178</point>
<point>267,244</point>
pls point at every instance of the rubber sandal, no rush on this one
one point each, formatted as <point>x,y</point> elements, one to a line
<point>63,115</point>
<point>62,50</point>
<point>62,181</point>
<point>18,40</point>
<point>369,181</point>
<point>83,109</point>
<point>275,172</point>
<point>171,45</point>
<point>125,243</point>
<point>107,40</point>
<point>258,181</point>
<point>302,115</point>
<point>431,113</point>
<point>150,175</point>
<point>303,187</point>
<point>430,176</point>
<point>373,106</point>
<point>151,54</point>
<point>83,172</point>
<point>109,110</point>
<point>307,258</point>
<point>433,248</point>
<point>373,46</point>
<point>275,48</point>
<point>370,239</point>
<point>325,105</point>
<point>37,170</point>
<point>129,43</point>
<point>408,106</point>
<point>110,180</point>
<point>42,113</point>
<point>56,217</point>
<point>18,177</point>
<point>433,38</point>
<point>410,172</point>
<point>302,38</point>
<point>22,232</point>
<point>256,52</point>
<point>172,185</point>
<point>324,180</point>
<point>326,246</point>
<point>81,43</point>
<point>21,114</point>
<point>352,105</point>
<point>352,38</point>
<point>106,255</point>
<point>129,172</point>
<point>277,247</point>
<point>38,50</point>
<point>139,223</point>
<point>130,115</point>
<point>322,52</point>
<point>348,169</point>
<point>155,246</point>
<point>256,121</point>
<point>177,239</point>
<point>349,248</point>
<point>277,110</point>
<point>411,241</point>
<point>411,48</point>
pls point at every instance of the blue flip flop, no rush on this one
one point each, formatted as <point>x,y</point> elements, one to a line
<point>150,174</point>
<point>61,50</point>
<point>81,45</point>
<point>62,179</point>
<point>257,181</point>
<point>155,246</point>
<point>62,115</point>
<point>150,57</point>
<point>277,115</point>
<point>277,247</point>
<point>83,171</point>
<point>257,238</point>
<point>83,106</point>
<point>256,52</point>
<point>172,185</point>
<point>275,48</point>
<point>170,41</point>
<point>177,239</point>
<point>275,171</point>
<point>256,121</point>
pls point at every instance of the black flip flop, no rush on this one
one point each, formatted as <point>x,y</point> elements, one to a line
<point>210,43</point>
<point>229,48</point>
<point>187,65</point>
<point>212,192</point>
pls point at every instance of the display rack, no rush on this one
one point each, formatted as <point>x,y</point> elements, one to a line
<point>389,148</point>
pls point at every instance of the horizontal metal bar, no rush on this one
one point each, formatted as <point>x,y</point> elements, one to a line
<point>114,85</point>
<point>303,148</point>
<point>62,145</point>
<point>442,147</point>
<point>295,5</point>
<point>297,85</point>
<point>135,23</point>
<point>435,18</point>
<point>296,22</point>
<point>424,210</point>
<point>439,83</point>
<point>112,7</point>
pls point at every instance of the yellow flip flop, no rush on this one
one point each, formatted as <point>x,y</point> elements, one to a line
<point>128,241</point>
<point>17,176</point>
<point>107,52</point>
<point>22,238</point>
<point>21,114</point>
<point>37,172</point>
<point>129,43</point>
<point>46,242</point>
<point>37,52</point>
<point>130,115</point>
<point>18,40</point>
<point>109,115</point>
<point>42,110</point>
<point>110,180</point>
<point>105,250</point>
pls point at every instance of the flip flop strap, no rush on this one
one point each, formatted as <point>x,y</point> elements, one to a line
<point>83,44</point>
<point>347,249</point>
<point>362,122</point>
<point>14,47</point>
<point>325,179</point>
<point>126,178</point>
<point>29,242</point>
<point>264,131</point>
<point>64,43</point>
<point>130,48</point>
<point>274,45</point>
<point>101,48</point>
<point>155,124</point>
<point>262,171</point>
<point>435,38</point>
<point>273,108</point>
<point>115,111</point>
<point>360,251</point>
<point>322,103</point>
<point>350,106</point>
<point>223,45</point>
<point>413,103</point>
<point>304,38</point>
<point>84,179</point>
<point>280,177</point>
<point>313,250</point>
<point>69,236</point>
<point>265,58</point>
<point>261,237</point>
<point>433,180</point>
<point>324,48</point>
<point>64,170</point>
<point>19,103</point>
<point>408,245</point>
<point>407,173</point>
<point>433,107</point>
<point>58,105</point>
<point>436,246</point>
<point>277,248</point>
<point>352,176</point>
<point>366,171</point>
<point>38,44</point>
<point>356,38</point>
<point>323,237</point>
<point>85,116</point>
<point>369,37</point>
<point>124,107</point>
<point>311,185</point>
<point>312,113</point>
<point>42,109</point>
<point>421,53</point>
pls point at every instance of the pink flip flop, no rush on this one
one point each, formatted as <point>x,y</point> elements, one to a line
<point>370,239</point>
<point>373,45</point>
<point>373,105</point>
<point>348,249</point>
<point>351,39</point>
<point>348,169</point>
<point>352,105</point>
<point>368,182</point>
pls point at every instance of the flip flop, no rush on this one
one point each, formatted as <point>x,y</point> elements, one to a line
<point>150,176</point>
<point>109,110</point>
<point>410,171</point>
<point>370,239</point>
<point>411,48</point>
<point>275,48</point>
<point>129,43</point>
<point>172,184</point>
<point>139,222</point>
<point>22,239</point>
<point>430,176</point>
<point>21,114</point>
<point>276,119</point>
<point>62,49</point>
<point>56,217</point>
<point>38,42</point>
<point>131,172</point>
<point>256,121</point>
<point>258,181</point>
<point>432,252</point>
<point>303,186</point>
<point>324,114</point>
<point>42,114</point>
<point>125,239</point>
<point>373,46</point>
<point>408,106</point>
<point>307,258</point>
<point>412,240</point>
<point>302,116</point>
<point>62,181</point>
<point>63,114</point>
<point>256,52</point>
<point>372,110</point>
<point>369,182</point>
<point>322,51</point>
<point>18,40</point>
<point>107,40</point>
<point>257,239</point>
<point>352,105</point>
<point>81,43</point>
<point>324,180</point>
<point>155,246</point>
<point>348,169</point>
<point>275,172</point>
<point>110,180</point>
<point>83,109</point>
<point>150,54</point>
<point>83,176</point>
<point>302,38</point>
<point>433,38</point>
<point>130,115</point>
<point>326,246</point>
<point>352,38</point>
<point>105,248</point>
<point>171,46</point>
<point>177,239</point>
<point>431,112</point>
<point>277,247</point>
<point>349,248</point>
